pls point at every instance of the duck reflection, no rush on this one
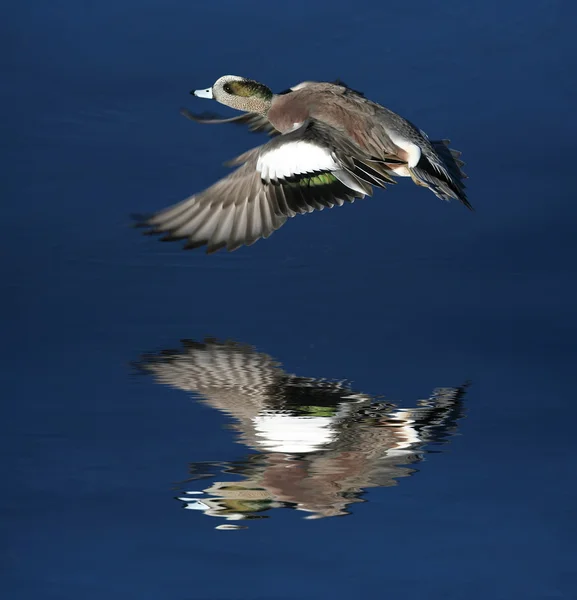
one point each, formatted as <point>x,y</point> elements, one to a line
<point>320,444</point>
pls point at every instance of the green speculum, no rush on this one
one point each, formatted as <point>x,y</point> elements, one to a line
<point>318,411</point>
<point>316,180</point>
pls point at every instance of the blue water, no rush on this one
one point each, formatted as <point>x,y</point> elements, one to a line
<point>398,295</point>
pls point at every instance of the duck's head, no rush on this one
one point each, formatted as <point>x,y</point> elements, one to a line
<point>240,93</point>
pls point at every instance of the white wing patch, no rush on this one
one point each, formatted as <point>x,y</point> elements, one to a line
<point>295,158</point>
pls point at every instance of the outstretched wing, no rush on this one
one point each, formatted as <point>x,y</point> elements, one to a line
<point>311,168</point>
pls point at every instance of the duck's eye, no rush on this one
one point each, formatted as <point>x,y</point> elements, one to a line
<point>236,88</point>
<point>240,88</point>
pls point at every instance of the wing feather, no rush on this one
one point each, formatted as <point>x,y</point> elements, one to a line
<point>312,168</point>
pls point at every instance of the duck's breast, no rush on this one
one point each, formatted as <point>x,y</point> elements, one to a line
<point>288,112</point>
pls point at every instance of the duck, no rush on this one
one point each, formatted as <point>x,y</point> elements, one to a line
<point>329,145</point>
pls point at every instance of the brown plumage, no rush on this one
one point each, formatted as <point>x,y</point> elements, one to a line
<point>330,145</point>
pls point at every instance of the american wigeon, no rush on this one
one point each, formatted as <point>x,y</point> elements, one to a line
<point>330,145</point>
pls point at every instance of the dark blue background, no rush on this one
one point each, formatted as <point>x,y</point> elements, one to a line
<point>399,294</point>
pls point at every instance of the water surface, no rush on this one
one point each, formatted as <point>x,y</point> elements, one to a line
<point>402,298</point>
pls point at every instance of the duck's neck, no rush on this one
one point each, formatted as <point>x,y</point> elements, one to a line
<point>249,96</point>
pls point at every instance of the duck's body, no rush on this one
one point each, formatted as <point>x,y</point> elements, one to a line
<point>330,145</point>
<point>376,129</point>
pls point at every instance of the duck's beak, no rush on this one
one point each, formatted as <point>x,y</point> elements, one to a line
<point>203,93</point>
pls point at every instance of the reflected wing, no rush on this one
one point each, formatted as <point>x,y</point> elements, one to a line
<point>233,378</point>
<point>237,379</point>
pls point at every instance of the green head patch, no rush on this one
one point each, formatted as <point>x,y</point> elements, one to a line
<point>247,88</point>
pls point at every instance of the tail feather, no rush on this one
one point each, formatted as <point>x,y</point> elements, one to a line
<point>451,158</point>
<point>444,187</point>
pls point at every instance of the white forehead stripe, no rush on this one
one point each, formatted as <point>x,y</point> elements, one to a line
<point>294,158</point>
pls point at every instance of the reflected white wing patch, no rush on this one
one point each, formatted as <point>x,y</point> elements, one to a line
<point>295,158</point>
<point>283,433</point>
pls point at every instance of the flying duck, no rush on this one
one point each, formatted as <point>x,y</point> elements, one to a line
<point>330,145</point>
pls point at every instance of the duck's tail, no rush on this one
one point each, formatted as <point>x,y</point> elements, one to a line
<point>445,185</point>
